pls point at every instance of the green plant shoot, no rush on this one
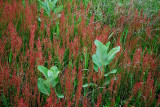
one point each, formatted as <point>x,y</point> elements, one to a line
<point>102,57</point>
<point>50,6</point>
<point>52,79</point>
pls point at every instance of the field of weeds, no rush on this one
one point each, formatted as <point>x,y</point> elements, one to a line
<point>79,53</point>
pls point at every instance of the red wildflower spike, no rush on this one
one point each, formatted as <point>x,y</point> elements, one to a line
<point>85,104</point>
<point>137,56</point>
<point>22,103</point>
<point>79,88</point>
<point>158,103</point>
<point>62,21</point>
<point>136,87</point>
<point>99,100</point>
<point>39,53</point>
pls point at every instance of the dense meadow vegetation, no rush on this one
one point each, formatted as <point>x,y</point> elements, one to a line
<point>80,53</point>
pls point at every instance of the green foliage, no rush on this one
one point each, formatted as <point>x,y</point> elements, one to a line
<point>116,19</point>
<point>52,79</point>
<point>4,100</point>
<point>100,59</point>
<point>102,56</point>
<point>50,6</point>
<point>87,85</point>
<point>43,86</point>
<point>111,72</point>
<point>43,70</point>
<point>10,56</point>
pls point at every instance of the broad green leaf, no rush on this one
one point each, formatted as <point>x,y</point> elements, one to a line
<point>107,45</point>
<point>47,4</point>
<point>43,70</point>
<point>96,67</point>
<point>54,2</point>
<point>54,82</point>
<point>58,9</point>
<point>44,5</point>
<point>120,4</point>
<point>55,69</point>
<point>98,43</point>
<point>87,85</point>
<point>60,95</point>
<point>45,1</point>
<point>50,6</point>
<point>112,53</point>
<point>43,88</point>
<point>47,83</point>
<point>40,1</point>
<point>96,60</point>
<point>112,72</point>
<point>39,19</point>
<point>52,74</point>
<point>101,52</point>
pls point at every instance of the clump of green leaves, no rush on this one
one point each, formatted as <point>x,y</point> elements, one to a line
<point>102,57</point>
<point>52,79</point>
<point>50,6</point>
